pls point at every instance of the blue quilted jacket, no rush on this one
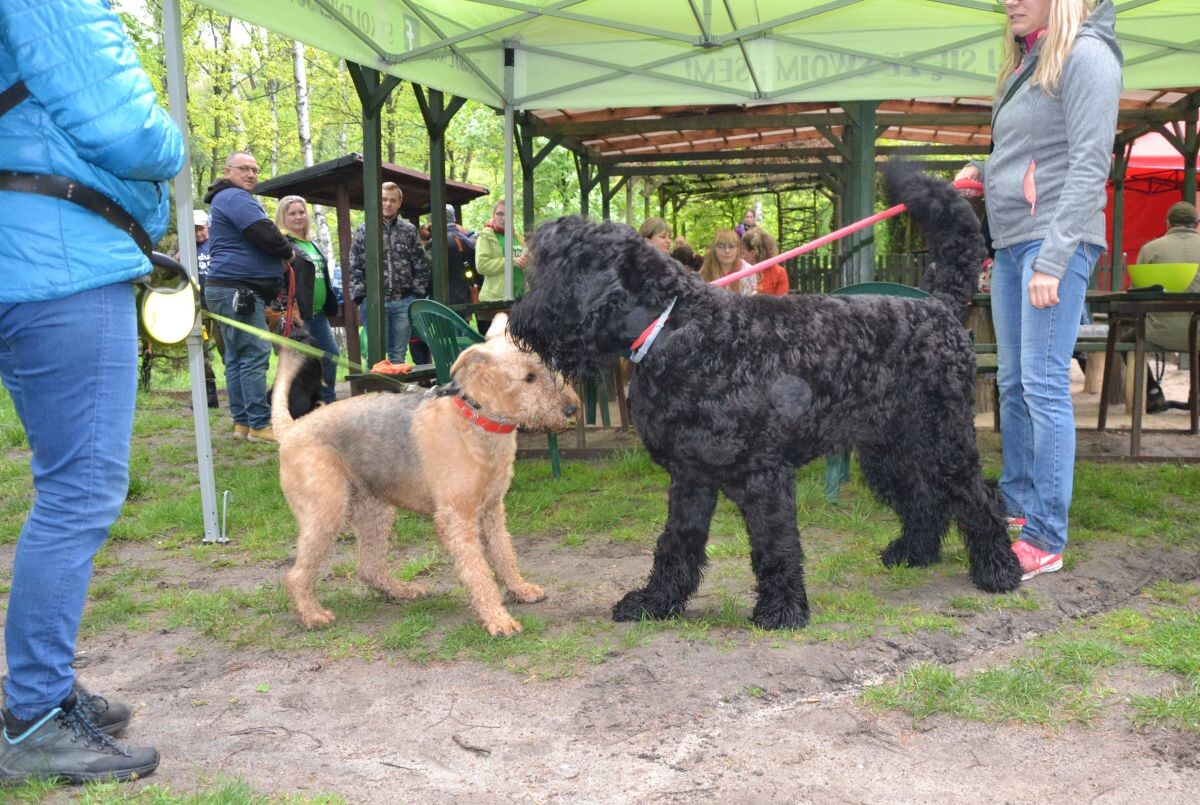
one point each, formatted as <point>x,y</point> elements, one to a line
<point>92,115</point>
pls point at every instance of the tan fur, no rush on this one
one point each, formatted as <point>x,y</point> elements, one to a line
<point>358,459</point>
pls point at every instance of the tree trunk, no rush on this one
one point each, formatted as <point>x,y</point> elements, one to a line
<point>303,131</point>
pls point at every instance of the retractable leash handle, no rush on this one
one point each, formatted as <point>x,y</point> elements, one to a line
<point>890,212</point>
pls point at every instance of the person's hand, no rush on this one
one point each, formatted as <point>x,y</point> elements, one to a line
<point>520,260</point>
<point>969,173</point>
<point>1043,290</point>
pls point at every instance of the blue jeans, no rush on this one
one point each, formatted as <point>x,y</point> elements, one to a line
<point>1037,420</point>
<point>322,333</point>
<point>397,326</point>
<point>246,359</point>
<point>71,368</point>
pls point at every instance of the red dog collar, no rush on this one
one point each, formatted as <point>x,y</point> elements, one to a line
<point>490,425</point>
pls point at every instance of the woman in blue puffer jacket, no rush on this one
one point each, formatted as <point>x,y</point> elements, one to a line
<point>68,353</point>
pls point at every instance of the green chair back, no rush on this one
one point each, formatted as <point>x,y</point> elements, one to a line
<point>881,288</point>
<point>837,466</point>
<point>444,332</point>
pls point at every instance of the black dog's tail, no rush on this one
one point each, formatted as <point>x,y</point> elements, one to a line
<point>951,229</point>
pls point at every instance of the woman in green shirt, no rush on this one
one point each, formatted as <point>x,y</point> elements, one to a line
<point>489,262</point>
<point>314,293</point>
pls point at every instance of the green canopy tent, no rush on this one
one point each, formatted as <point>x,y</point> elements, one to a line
<point>553,54</point>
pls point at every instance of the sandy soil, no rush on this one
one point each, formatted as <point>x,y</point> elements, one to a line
<point>738,719</point>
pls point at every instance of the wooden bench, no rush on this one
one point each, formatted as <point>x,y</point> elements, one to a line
<point>374,381</point>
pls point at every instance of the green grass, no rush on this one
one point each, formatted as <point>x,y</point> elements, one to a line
<point>217,792</point>
<point>1063,677</point>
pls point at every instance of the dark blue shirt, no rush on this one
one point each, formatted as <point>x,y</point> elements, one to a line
<point>233,256</point>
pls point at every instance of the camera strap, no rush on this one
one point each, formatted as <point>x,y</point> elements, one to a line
<point>61,187</point>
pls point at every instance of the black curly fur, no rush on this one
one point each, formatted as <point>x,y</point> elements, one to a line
<point>739,391</point>
<point>304,394</point>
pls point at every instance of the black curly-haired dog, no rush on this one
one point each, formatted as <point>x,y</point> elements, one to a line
<point>736,392</point>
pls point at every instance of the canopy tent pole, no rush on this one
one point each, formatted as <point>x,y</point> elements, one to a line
<point>859,138</point>
<point>437,115</point>
<point>177,100</point>
<point>1116,259</point>
<point>509,205</point>
<point>372,93</point>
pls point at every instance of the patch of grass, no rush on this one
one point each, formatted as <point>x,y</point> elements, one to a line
<point>1061,678</point>
<point>219,791</point>
<point>1051,687</point>
<point>1178,707</point>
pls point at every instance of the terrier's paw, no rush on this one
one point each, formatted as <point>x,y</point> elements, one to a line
<point>406,592</point>
<point>639,604</point>
<point>780,614</point>
<point>502,625</point>
<point>898,552</point>
<point>528,593</point>
<point>317,619</point>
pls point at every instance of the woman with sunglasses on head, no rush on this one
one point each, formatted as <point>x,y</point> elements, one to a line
<point>315,298</point>
<point>1053,122</point>
<point>757,245</point>
<point>723,257</point>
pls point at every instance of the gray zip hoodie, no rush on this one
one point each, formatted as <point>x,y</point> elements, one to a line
<point>1045,178</point>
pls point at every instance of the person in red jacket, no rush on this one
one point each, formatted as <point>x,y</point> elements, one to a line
<point>757,245</point>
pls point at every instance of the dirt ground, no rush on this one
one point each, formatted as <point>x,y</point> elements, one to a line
<point>740,719</point>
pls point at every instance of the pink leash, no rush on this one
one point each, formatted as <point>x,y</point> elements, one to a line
<point>962,184</point>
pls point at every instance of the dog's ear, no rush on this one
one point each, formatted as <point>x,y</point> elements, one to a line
<point>498,327</point>
<point>472,361</point>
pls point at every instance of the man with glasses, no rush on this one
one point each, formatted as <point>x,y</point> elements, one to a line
<point>77,113</point>
<point>245,272</point>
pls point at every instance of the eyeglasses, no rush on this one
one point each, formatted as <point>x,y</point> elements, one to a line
<point>725,245</point>
<point>245,168</point>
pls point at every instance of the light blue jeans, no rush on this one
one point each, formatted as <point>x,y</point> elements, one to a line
<point>246,359</point>
<point>1037,420</point>
<point>397,327</point>
<point>322,333</point>
<point>71,368</point>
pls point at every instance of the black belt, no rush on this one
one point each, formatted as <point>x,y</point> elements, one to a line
<point>47,184</point>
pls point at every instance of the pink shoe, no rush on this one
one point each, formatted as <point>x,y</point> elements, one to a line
<point>1015,526</point>
<point>1035,561</point>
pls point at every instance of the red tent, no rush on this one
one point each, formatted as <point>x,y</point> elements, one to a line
<point>1153,182</point>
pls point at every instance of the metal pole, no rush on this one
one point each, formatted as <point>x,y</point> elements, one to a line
<point>177,98</point>
<point>509,205</point>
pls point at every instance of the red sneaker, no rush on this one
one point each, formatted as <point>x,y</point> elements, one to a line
<point>1015,525</point>
<point>1035,561</point>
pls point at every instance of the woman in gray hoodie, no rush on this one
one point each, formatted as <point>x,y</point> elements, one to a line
<point>1053,122</point>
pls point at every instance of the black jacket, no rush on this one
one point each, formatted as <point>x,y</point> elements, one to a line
<point>306,278</point>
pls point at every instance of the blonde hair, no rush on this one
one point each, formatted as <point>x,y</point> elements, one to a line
<point>653,226</point>
<point>710,269</point>
<point>1066,18</point>
<point>759,241</point>
<point>281,216</point>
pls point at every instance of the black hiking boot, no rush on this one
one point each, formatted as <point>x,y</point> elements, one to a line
<point>65,745</point>
<point>111,717</point>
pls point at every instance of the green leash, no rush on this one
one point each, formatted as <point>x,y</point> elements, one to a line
<point>282,341</point>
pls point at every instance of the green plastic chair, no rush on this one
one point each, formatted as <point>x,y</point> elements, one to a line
<point>837,466</point>
<point>447,335</point>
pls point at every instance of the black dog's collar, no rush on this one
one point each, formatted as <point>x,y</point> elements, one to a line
<point>642,345</point>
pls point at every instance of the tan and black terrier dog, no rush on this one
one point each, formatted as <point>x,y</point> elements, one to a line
<point>447,453</point>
